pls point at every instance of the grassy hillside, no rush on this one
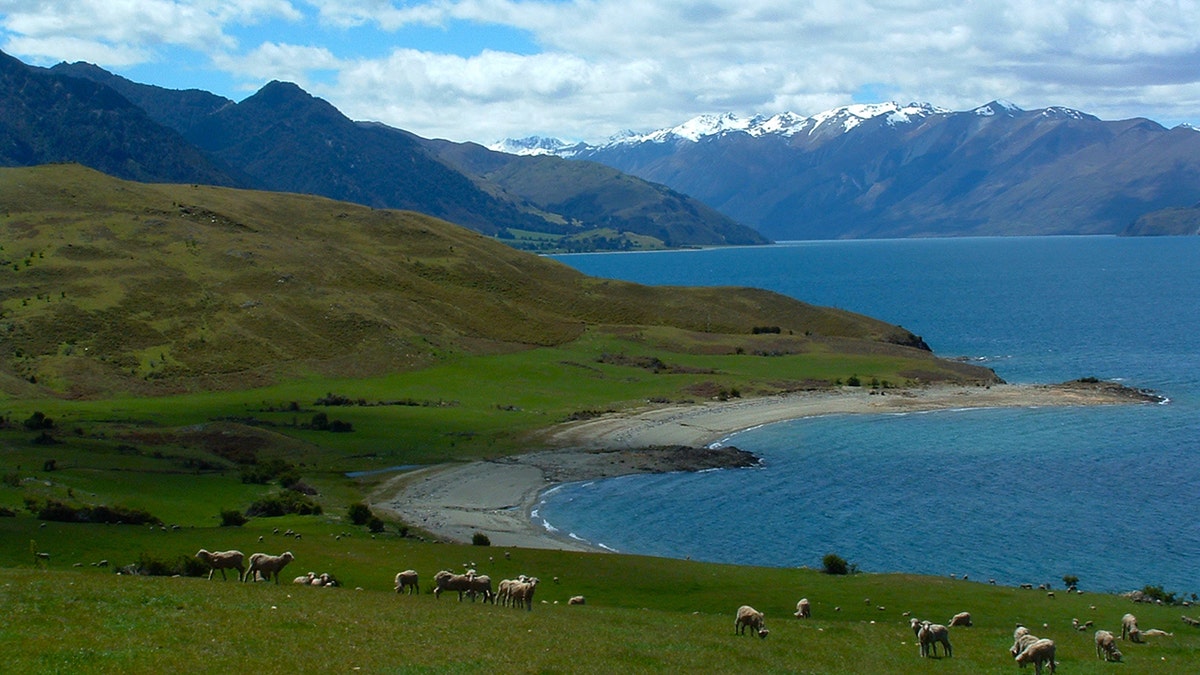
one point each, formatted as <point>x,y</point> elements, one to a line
<point>115,286</point>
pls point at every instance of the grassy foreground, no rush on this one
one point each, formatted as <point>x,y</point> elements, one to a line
<point>642,615</point>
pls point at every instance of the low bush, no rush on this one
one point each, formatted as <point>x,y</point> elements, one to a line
<point>282,504</point>
<point>233,518</point>
<point>57,511</point>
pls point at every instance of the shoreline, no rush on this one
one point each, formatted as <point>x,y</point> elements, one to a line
<point>499,497</point>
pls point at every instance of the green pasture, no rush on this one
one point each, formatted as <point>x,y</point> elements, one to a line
<point>641,615</point>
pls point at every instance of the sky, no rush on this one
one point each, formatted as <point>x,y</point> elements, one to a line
<point>585,70</point>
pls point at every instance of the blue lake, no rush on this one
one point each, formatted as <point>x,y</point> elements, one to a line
<point>1109,494</point>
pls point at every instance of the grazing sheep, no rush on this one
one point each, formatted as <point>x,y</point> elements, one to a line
<point>406,582</point>
<point>1129,628</point>
<point>521,592</point>
<point>482,585</point>
<point>1038,653</point>
<point>577,600</point>
<point>504,590</point>
<point>448,581</point>
<point>803,609</point>
<point>222,560</point>
<point>1106,646</point>
<point>960,619</point>
<point>749,617</point>
<point>930,634</point>
<point>1020,642</point>
<point>267,565</point>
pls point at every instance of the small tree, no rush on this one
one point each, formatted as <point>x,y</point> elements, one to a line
<point>233,518</point>
<point>480,539</point>
<point>359,513</point>
<point>835,564</point>
<point>1070,580</point>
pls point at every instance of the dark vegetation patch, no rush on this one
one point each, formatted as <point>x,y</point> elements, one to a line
<point>650,363</point>
<point>52,509</point>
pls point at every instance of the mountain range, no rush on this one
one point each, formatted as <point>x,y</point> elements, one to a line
<point>283,139</point>
<point>893,170</point>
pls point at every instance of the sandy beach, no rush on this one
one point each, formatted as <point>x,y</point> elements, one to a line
<point>454,501</point>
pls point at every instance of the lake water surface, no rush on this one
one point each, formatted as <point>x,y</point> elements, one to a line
<point>1109,494</point>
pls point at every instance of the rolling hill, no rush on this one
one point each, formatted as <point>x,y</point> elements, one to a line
<point>154,288</point>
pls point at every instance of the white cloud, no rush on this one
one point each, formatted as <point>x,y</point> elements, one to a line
<point>606,65</point>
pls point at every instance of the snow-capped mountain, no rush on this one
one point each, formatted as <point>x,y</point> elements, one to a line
<point>837,120</point>
<point>891,169</point>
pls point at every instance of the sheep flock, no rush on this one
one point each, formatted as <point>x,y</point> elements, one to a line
<point>1027,648</point>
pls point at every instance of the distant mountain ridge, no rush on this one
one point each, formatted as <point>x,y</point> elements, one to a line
<point>904,170</point>
<point>283,139</point>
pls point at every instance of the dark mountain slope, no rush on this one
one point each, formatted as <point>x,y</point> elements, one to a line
<point>996,170</point>
<point>281,138</point>
<point>48,117</point>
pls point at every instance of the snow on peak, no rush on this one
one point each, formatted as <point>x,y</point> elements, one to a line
<point>784,124</point>
<point>530,145</point>
<point>997,107</point>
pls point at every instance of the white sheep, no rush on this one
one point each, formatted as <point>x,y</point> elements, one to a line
<point>803,609</point>
<point>222,560</point>
<point>1106,646</point>
<point>1156,632</point>
<point>305,579</point>
<point>521,593</point>
<point>1022,638</point>
<point>960,619</point>
<point>406,582</point>
<point>267,565</point>
<point>1038,653</point>
<point>1129,628</point>
<point>748,617</point>
<point>482,585</point>
<point>930,635</point>
<point>445,580</point>
<point>577,600</point>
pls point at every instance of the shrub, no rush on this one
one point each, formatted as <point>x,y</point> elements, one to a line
<point>233,518</point>
<point>1070,580</point>
<point>359,513</point>
<point>836,564</point>
<point>375,525</point>
<point>38,420</point>
<point>183,565</point>
<point>1157,594</point>
<point>261,473</point>
<point>480,539</point>
<point>58,511</point>
<point>853,381</point>
<point>282,504</point>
